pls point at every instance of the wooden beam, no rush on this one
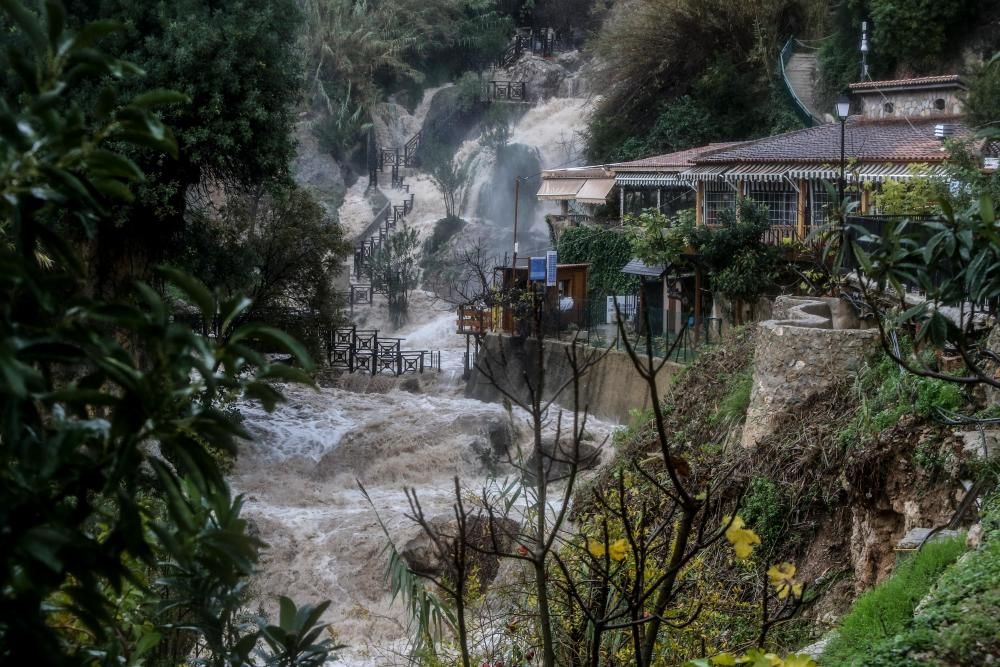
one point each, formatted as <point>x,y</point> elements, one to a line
<point>800,216</point>
<point>699,204</point>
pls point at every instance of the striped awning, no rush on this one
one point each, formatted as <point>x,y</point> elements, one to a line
<point>560,188</point>
<point>812,172</point>
<point>899,171</point>
<point>758,172</point>
<point>639,179</point>
<point>595,191</point>
<point>704,172</point>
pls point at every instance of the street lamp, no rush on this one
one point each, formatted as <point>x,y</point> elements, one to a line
<point>843,110</point>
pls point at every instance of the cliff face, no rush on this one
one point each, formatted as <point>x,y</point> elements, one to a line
<point>839,468</point>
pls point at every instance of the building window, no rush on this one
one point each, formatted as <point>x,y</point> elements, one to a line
<point>888,107</point>
<point>781,201</point>
<point>820,201</point>
<point>939,104</point>
<point>719,196</point>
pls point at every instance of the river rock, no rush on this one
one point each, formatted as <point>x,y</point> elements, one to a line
<point>543,77</point>
<point>423,555</point>
<point>558,461</point>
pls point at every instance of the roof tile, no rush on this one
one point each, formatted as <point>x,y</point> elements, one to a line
<point>904,140</point>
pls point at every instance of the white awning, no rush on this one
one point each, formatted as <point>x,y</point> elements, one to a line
<point>639,179</point>
<point>595,191</point>
<point>812,172</point>
<point>560,188</point>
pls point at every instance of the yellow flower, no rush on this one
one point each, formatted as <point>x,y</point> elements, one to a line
<point>618,550</point>
<point>740,537</point>
<point>595,548</point>
<point>782,578</point>
<point>801,660</point>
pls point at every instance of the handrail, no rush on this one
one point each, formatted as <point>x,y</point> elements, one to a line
<point>805,115</point>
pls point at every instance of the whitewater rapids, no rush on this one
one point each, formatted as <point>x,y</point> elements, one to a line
<point>299,476</point>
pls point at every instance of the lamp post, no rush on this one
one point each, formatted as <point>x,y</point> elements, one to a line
<point>843,110</point>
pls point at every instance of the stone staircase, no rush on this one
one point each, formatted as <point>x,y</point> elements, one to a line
<point>801,73</point>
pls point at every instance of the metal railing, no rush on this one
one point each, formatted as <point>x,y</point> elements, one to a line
<point>511,91</point>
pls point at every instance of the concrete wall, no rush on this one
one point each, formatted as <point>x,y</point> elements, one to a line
<point>810,345</point>
<point>610,388</point>
<point>911,104</point>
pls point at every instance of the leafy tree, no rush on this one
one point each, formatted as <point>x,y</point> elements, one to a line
<point>658,239</point>
<point>450,177</point>
<point>982,105</point>
<point>276,247</point>
<point>955,261</point>
<point>708,55</point>
<point>741,265</point>
<point>119,530</point>
<point>237,63</point>
<point>395,270</point>
<point>917,33</point>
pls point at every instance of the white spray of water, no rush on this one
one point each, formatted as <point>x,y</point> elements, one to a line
<point>324,541</point>
<point>299,476</point>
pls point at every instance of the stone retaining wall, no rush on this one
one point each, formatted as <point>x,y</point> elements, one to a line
<point>610,389</point>
<point>809,346</point>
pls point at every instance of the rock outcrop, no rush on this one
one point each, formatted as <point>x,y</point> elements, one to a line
<point>801,353</point>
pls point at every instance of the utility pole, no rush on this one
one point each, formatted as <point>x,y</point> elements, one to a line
<point>517,196</point>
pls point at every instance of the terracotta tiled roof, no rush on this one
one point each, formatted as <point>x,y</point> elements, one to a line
<point>918,82</point>
<point>679,160</point>
<point>864,141</point>
<point>578,172</point>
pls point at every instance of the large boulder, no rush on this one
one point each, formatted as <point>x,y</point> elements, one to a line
<point>429,555</point>
<point>559,458</point>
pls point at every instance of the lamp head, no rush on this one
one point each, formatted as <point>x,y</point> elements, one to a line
<point>843,107</point>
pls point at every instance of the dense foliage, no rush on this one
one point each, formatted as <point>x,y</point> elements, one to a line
<point>276,247</point>
<point>907,37</point>
<point>707,78</point>
<point>607,251</point>
<point>359,51</point>
<point>121,542</point>
<point>878,615</point>
<point>238,66</point>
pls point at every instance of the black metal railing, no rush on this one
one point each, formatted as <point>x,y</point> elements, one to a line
<point>511,91</point>
<point>365,351</point>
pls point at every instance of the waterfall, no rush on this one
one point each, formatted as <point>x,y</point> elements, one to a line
<point>298,476</point>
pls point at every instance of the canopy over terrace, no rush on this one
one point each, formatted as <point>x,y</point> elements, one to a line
<point>588,185</point>
<point>787,172</point>
<point>642,182</point>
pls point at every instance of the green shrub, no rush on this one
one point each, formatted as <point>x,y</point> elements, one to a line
<point>733,406</point>
<point>886,394</point>
<point>879,614</point>
<point>444,230</point>
<point>764,510</point>
<point>958,623</point>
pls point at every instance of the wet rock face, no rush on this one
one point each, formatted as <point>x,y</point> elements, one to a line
<point>429,552</point>
<point>316,170</point>
<point>558,460</point>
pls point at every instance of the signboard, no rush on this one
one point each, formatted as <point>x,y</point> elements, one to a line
<point>550,268</point>
<point>537,268</point>
<point>626,305</point>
